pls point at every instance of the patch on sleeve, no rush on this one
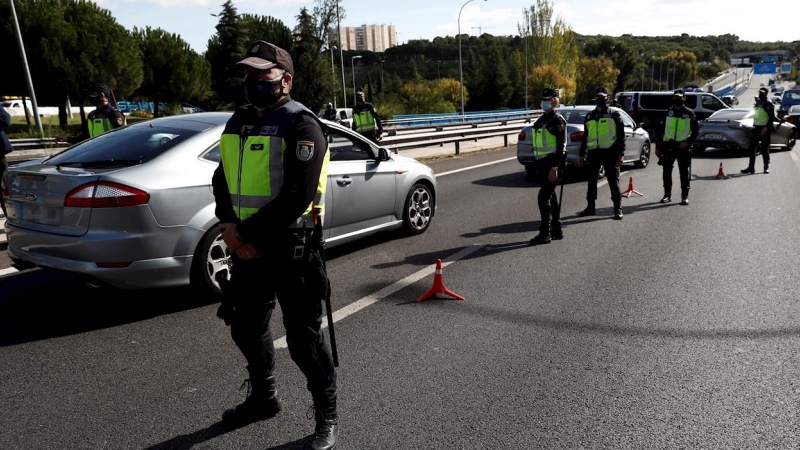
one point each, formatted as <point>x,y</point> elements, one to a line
<point>305,150</point>
<point>120,121</point>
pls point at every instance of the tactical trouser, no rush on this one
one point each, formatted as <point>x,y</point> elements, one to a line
<point>372,135</point>
<point>548,201</point>
<point>300,287</point>
<point>669,155</point>
<point>755,140</point>
<point>606,158</point>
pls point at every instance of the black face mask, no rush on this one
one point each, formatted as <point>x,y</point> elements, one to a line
<point>601,101</point>
<point>762,96</point>
<point>263,93</point>
<point>94,100</point>
<point>678,102</point>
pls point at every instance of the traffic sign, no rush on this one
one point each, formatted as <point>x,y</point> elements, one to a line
<point>764,68</point>
<point>786,67</point>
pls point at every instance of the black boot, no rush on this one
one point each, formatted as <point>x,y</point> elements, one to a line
<point>766,167</point>
<point>589,211</point>
<point>749,169</point>
<point>262,403</point>
<point>618,212</point>
<point>544,234</point>
<point>667,198</point>
<point>326,433</point>
<point>557,232</point>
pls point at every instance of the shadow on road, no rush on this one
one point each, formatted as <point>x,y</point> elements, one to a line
<point>188,441</point>
<point>42,304</point>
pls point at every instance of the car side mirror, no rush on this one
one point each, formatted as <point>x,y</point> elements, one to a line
<point>383,154</point>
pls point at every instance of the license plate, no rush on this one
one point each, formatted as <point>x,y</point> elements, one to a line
<point>37,213</point>
<point>712,136</point>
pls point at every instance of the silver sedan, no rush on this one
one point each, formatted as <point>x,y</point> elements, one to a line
<point>134,208</point>
<point>731,128</point>
<point>637,141</point>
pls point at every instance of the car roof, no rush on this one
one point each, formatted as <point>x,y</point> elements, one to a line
<point>195,120</point>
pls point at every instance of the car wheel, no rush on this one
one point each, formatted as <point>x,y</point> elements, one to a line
<point>530,169</point>
<point>792,140</point>
<point>644,157</point>
<point>418,209</point>
<point>211,257</point>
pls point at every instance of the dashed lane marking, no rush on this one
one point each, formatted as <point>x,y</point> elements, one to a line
<point>375,297</point>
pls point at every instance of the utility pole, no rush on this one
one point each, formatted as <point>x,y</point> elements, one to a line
<point>341,54</point>
<point>27,70</point>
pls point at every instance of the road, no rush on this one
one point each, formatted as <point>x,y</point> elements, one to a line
<point>734,76</point>
<point>677,327</point>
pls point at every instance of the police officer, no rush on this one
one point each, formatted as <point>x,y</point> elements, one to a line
<point>603,145</point>
<point>5,149</point>
<point>272,175</point>
<point>680,131</point>
<point>105,116</point>
<point>549,141</point>
<point>365,119</point>
<point>763,126</point>
<point>330,113</point>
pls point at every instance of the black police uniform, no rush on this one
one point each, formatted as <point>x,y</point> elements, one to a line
<point>756,139</point>
<point>547,199</point>
<point>5,149</point>
<point>115,118</point>
<point>300,284</point>
<point>607,158</point>
<point>330,114</point>
<point>670,153</point>
<point>372,135</point>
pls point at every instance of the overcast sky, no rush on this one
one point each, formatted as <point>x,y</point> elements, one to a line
<point>415,19</point>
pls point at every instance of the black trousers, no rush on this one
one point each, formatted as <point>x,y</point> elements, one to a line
<point>603,158</point>
<point>548,201</point>
<point>300,288</point>
<point>3,167</point>
<point>669,156</point>
<point>755,140</point>
<point>372,135</point>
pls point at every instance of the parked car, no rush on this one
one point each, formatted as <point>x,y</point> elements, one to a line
<point>793,115</point>
<point>649,109</point>
<point>790,98</point>
<point>134,208</point>
<point>730,100</point>
<point>731,129</point>
<point>345,116</point>
<point>637,140</point>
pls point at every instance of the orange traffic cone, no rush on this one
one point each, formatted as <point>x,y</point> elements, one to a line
<point>721,173</point>
<point>631,190</point>
<point>438,286</point>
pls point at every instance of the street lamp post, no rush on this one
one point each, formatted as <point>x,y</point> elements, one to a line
<point>27,71</point>
<point>438,72</point>
<point>644,65</point>
<point>353,67</point>
<point>660,66</point>
<point>526,72</point>
<point>382,85</point>
<point>460,68</point>
<point>333,71</point>
<point>341,54</point>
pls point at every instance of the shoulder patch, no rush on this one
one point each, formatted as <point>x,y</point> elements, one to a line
<point>670,113</point>
<point>305,150</point>
<point>120,121</point>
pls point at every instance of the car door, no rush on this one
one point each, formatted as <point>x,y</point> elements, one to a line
<point>363,189</point>
<point>633,140</point>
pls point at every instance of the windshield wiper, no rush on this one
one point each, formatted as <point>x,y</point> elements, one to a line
<point>101,163</point>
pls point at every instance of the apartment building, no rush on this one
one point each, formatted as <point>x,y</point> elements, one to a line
<point>373,38</point>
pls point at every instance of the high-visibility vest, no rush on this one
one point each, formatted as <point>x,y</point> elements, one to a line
<point>601,132</point>
<point>99,123</point>
<point>760,118</point>
<point>253,163</point>
<point>364,120</point>
<point>544,142</point>
<point>677,128</point>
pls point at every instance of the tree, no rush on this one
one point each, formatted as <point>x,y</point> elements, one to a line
<point>313,81</point>
<point>449,90</point>
<point>172,70</point>
<point>225,49</point>
<point>550,41</point>
<point>268,29</point>
<point>550,76</point>
<point>595,72</point>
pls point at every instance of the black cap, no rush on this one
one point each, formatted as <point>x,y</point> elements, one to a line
<point>99,88</point>
<point>359,90</point>
<point>263,56</point>
<point>764,90</point>
<point>601,91</point>
<point>550,93</point>
<point>678,92</point>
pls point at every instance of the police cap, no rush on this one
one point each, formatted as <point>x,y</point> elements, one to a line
<point>601,91</point>
<point>678,93</point>
<point>100,88</point>
<point>264,56</point>
<point>550,93</point>
<point>763,90</point>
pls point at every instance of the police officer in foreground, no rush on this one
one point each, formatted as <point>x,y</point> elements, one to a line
<point>603,145</point>
<point>366,120</point>
<point>105,116</point>
<point>5,149</point>
<point>271,177</point>
<point>549,142</point>
<point>763,126</point>
<point>680,131</point>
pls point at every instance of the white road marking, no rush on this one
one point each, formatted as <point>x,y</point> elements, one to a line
<point>794,156</point>
<point>8,271</point>
<point>375,297</point>
<point>474,167</point>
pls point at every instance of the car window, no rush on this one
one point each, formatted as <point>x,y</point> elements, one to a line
<point>342,115</point>
<point>575,116</point>
<point>794,109</point>
<point>344,147</point>
<point>791,95</point>
<point>126,143</point>
<point>212,154</point>
<point>732,114</point>
<point>712,103</point>
<point>627,121</point>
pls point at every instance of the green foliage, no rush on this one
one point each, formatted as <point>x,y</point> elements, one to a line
<point>595,72</point>
<point>225,49</point>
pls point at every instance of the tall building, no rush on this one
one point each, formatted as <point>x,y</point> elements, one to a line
<point>373,38</point>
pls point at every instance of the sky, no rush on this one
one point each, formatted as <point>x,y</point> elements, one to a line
<point>425,19</point>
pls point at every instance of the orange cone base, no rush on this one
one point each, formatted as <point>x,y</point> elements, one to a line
<point>438,286</point>
<point>631,190</point>
<point>721,173</point>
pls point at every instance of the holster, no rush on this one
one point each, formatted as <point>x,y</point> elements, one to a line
<point>228,298</point>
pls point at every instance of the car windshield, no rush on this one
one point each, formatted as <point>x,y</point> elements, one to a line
<point>794,109</point>
<point>139,143</point>
<point>732,114</point>
<point>791,95</point>
<point>6,104</point>
<point>575,116</point>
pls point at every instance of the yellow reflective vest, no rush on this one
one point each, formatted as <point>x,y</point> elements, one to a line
<point>601,132</point>
<point>253,164</point>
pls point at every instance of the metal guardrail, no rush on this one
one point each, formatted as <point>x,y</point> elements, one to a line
<point>36,143</point>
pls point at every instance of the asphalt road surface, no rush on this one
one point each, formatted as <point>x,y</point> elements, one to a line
<point>677,327</point>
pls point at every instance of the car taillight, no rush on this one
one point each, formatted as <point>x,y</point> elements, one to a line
<point>790,119</point>
<point>576,136</point>
<point>105,194</point>
<point>4,188</point>
<point>521,136</point>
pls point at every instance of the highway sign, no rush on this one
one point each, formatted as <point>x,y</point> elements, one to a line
<point>764,68</point>
<point>786,67</point>
<point>769,58</point>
